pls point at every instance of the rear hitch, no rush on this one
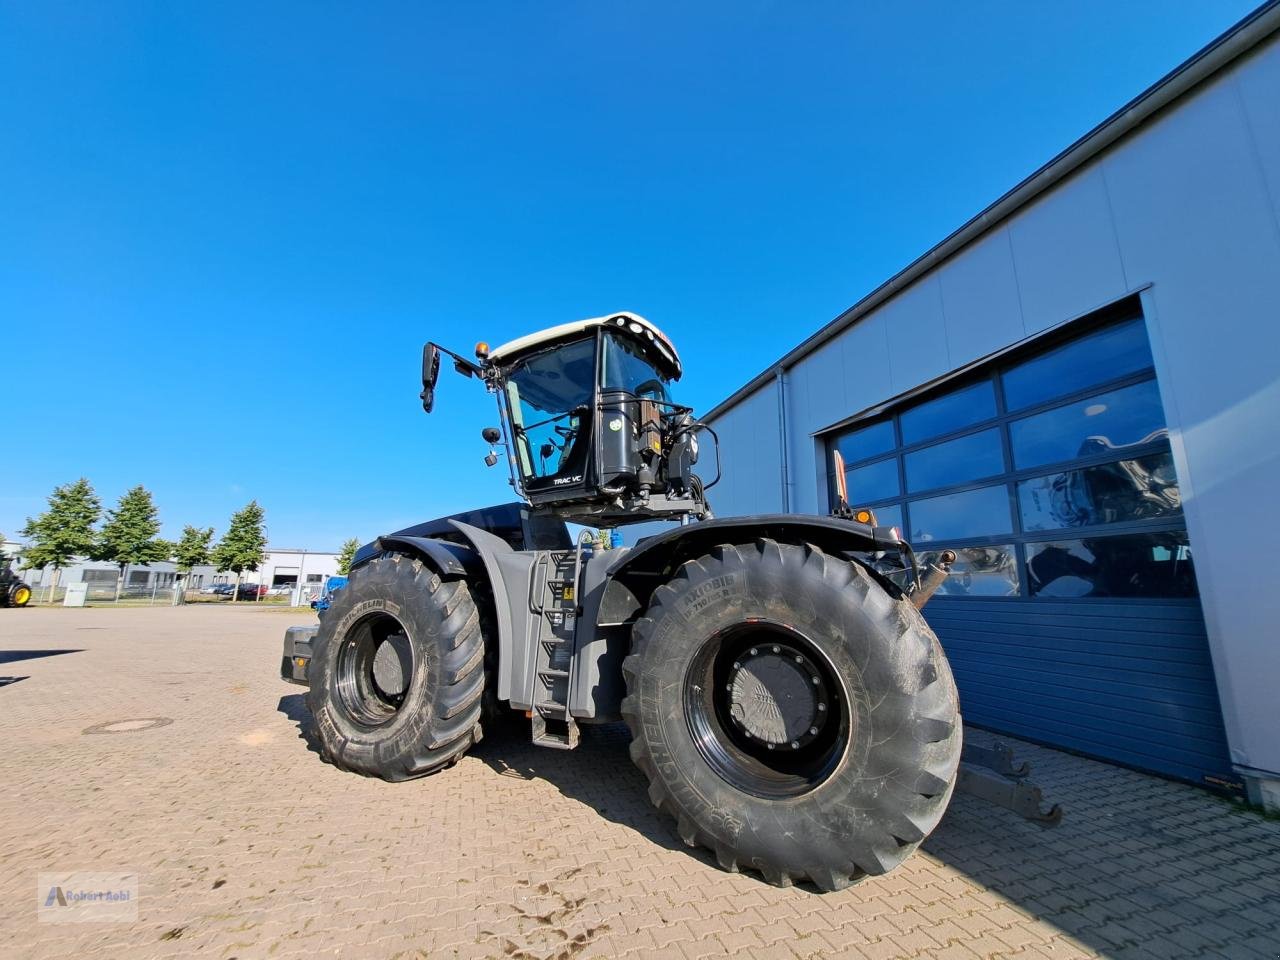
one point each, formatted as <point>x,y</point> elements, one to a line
<point>934,575</point>
<point>990,774</point>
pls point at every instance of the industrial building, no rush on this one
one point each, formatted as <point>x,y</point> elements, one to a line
<point>281,569</point>
<point>1078,391</point>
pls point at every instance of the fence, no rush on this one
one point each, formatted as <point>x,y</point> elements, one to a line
<point>134,595</point>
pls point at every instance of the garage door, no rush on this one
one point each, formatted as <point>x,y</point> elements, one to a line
<point>1073,615</point>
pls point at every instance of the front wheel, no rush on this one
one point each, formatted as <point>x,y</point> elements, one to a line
<point>397,673</point>
<point>792,715</point>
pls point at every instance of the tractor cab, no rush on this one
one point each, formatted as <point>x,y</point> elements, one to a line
<point>589,426</point>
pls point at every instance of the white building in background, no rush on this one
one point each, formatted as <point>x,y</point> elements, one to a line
<point>282,568</point>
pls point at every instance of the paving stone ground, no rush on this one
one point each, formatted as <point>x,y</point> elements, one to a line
<point>247,845</point>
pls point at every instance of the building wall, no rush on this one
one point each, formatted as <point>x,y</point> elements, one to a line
<point>1186,209</point>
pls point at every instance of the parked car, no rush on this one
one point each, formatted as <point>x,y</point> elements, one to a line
<point>282,590</point>
<point>250,591</point>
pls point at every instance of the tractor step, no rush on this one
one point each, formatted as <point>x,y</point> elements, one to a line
<point>552,596</point>
<point>558,733</point>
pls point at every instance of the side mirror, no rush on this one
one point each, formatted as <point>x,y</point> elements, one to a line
<point>430,373</point>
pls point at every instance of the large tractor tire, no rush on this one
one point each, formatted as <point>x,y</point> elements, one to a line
<point>791,715</point>
<point>397,674</point>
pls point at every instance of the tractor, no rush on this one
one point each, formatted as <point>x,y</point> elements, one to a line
<point>789,705</point>
<point>13,592</point>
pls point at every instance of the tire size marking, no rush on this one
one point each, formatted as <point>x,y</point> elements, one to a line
<point>705,594</point>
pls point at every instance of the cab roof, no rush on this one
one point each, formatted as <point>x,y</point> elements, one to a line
<point>664,352</point>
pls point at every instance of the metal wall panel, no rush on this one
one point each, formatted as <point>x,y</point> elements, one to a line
<point>1130,681</point>
<point>917,332</point>
<point>1065,253</point>
<point>980,299</point>
<point>749,457</point>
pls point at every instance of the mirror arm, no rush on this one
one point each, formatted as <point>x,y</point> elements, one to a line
<point>461,364</point>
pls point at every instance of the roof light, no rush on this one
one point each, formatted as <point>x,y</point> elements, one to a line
<point>482,349</point>
<point>635,327</point>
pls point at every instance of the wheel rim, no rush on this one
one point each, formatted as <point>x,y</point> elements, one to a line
<point>766,710</point>
<point>374,670</point>
<point>21,596</point>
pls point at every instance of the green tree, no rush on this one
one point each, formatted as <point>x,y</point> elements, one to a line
<point>244,546</point>
<point>130,534</point>
<point>192,550</point>
<point>346,555</point>
<point>65,530</point>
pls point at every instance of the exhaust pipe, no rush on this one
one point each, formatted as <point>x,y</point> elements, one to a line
<point>933,577</point>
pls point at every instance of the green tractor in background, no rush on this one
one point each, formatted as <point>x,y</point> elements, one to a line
<point>13,591</point>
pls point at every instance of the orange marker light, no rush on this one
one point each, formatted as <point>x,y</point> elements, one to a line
<point>482,349</point>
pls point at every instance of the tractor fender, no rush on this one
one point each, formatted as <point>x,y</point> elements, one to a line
<point>631,579</point>
<point>619,583</point>
<point>450,560</point>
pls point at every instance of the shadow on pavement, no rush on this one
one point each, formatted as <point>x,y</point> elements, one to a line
<point>1138,863</point>
<point>599,774</point>
<point>13,656</point>
<point>294,706</point>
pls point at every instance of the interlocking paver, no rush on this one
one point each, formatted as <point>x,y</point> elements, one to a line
<point>249,846</point>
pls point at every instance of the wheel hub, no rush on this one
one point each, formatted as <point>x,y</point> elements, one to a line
<point>391,665</point>
<point>777,696</point>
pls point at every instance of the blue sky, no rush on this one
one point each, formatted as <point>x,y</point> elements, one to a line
<point>226,229</point>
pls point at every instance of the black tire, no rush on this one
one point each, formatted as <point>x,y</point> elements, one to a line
<point>850,795</point>
<point>16,594</point>
<point>394,618</point>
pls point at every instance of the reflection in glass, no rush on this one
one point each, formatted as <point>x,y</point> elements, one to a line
<point>866,442</point>
<point>1137,565</point>
<point>979,571</point>
<point>1140,489</point>
<point>1105,423</point>
<point>550,392</point>
<point>975,513</point>
<point>876,481</point>
<point>1102,356</point>
<point>972,404</point>
<point>955,462</point>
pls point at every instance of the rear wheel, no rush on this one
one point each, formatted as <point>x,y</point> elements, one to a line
<point>791,715</point>
<point>397,674</point>
<point>19,595</point>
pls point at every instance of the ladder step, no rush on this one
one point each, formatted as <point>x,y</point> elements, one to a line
<point>556,734</point>
<point>552,672</point>
<point>557,709</point>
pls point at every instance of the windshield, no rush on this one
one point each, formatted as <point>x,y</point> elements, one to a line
<point>549,395</point>
<point>624,367</point>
